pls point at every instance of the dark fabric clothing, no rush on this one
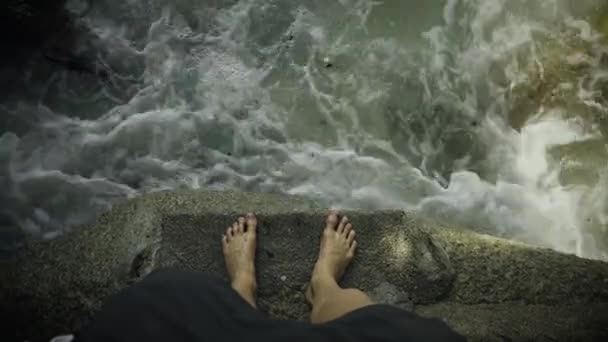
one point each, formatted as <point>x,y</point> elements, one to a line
<point>175,306</point>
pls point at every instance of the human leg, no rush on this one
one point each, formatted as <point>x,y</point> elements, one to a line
<point>239,245</point>
<point>330,301</point>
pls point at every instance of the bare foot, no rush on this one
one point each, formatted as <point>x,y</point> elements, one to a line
<point>337,250</point>
<point>239,244</point>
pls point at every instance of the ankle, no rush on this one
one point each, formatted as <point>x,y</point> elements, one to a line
<point>246,290</point>
<point>245,278</point>
<point>245,281</point>
<point>322,285</point>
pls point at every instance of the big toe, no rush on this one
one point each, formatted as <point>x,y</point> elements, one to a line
<point>252,223</point>
<point>332,221</point>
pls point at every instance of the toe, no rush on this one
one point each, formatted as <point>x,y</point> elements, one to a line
<point>224,241</point>
<point>235,229</point>
<point>241,225</point>
<point>342,224</point>
<point>252,223</point>
<point>350,238</point>
<point>348,228</point>
<point>229,233</point>
<point>332,220</point>
<point>351,250</point>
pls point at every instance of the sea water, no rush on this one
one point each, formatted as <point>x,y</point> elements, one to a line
<point>485,113</point>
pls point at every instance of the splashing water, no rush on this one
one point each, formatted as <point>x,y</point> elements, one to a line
<point>488,113</point>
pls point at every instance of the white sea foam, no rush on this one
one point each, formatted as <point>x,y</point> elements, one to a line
<point>306,99</point>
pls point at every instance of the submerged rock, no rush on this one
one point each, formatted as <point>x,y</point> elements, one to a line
<point>486,288</point>
<point>564,69</point>
<point>563,63</point>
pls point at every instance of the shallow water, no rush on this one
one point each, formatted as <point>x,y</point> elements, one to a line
<point>488,113</point>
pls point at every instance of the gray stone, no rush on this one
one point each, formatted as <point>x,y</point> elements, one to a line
<point>517,321</point>
<point>486,288</point>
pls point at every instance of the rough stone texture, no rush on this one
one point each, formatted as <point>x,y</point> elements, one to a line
<point>523,322</point>
<point>486,288</point>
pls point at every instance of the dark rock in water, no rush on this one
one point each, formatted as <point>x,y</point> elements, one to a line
<point>35,21</point>
<point>44,41</point>
<point>488,289</point>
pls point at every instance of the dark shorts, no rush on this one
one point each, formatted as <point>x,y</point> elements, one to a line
<point>182,306</point>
